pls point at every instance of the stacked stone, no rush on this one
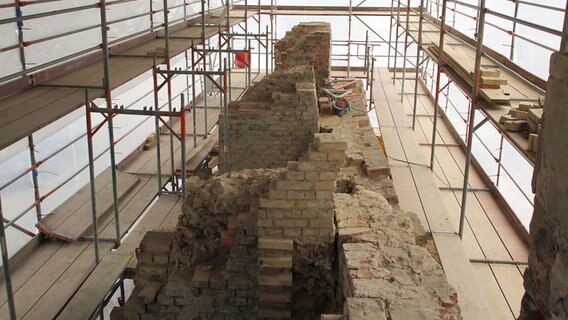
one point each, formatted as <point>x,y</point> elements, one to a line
<point>152,273</point>
<point>382,268</point>
<point>308,43</point>
<point>274,278</point>
<point>272,123</point>
<point>299,205</point>
<point>385,272</point>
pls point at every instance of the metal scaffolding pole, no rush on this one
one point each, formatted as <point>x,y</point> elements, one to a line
<point>266,51</point>
<point>438,80</point>
<point>406,45</point>
<point>418,46</point>
<point>6,267</point>
<point>108,96</point>
<point>390,34</point>
<point>92,176</point>
<point>183,138</point>
<point>193,94</point>
<point>21,43</point>
<point>157,127</point>
<point>512,52</point>
<point>226,97</point>
<point>169,85</point>
<point>349,39</point>
<point>396,40</point>
<point>272,23</point>
<point>474,100</point>
<point>35,181</point>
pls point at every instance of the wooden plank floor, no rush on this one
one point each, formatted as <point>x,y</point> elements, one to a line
<point>487,234</point>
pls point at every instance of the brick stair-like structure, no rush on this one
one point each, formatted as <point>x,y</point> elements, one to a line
<point>274,278</point>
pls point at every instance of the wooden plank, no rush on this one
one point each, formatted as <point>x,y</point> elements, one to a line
<point>76,201</point>
<point>511,283</point>
<point>408,199</point>
<point>461,276</point>
<point>40,281</point>
<point>12,131</point>
<point>80,221</point>
<point>497,301</point>
<point>61,290</point>
<point>516,247</point>
<point>28,267</point>
<point>93,291</point>
<point>131,211</point>
<point>472,249</point>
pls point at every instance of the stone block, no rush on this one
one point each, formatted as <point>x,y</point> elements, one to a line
<point>278,244</point>
<point>294,185</point>
<point>365,309</point>
<point>280,204</point>
<point>294,175</point>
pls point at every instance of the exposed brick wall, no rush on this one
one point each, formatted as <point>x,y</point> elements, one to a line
<point>308,43</point>
<point>299,205</point>
<point>272,123</point>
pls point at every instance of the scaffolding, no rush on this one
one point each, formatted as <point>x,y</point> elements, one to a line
<point>441,87</point>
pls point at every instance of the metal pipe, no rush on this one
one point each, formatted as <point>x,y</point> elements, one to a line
<point>114,178</point>
<point>6,267</point>
<point>183,137</point>
<point>92,178</point>
<point>396,41</point>
<point>499,164</point>
<point>493,261</point>
<point>204,94</point>
<point>226,117</point>
<point>20,27</point>
<point>474,101</point>
<point>418,46</point>
<point>390,34</point>
<point>193,96</point>
<point>512,53</point>
<point>372,99</point>
<point>438,79</point>
<point>157,128</point>
<point>564,39</point>
<point>35,181</point>
<point>405,52</point>
<point>169,85</point>
<point>349,40</point>
<point>108,96</point>
<point>266,52</point>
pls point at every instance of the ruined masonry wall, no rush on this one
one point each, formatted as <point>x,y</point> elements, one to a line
<point>272,123</point>
<point>308,43</point>
<point>299,205</point>
<point>385,270</point>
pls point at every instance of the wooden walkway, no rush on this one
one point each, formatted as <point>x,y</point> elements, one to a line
<point>486,290</point>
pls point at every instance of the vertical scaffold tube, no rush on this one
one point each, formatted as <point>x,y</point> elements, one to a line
<point>438,80</point>
<point>474,100</point>
<point>6,267</point>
